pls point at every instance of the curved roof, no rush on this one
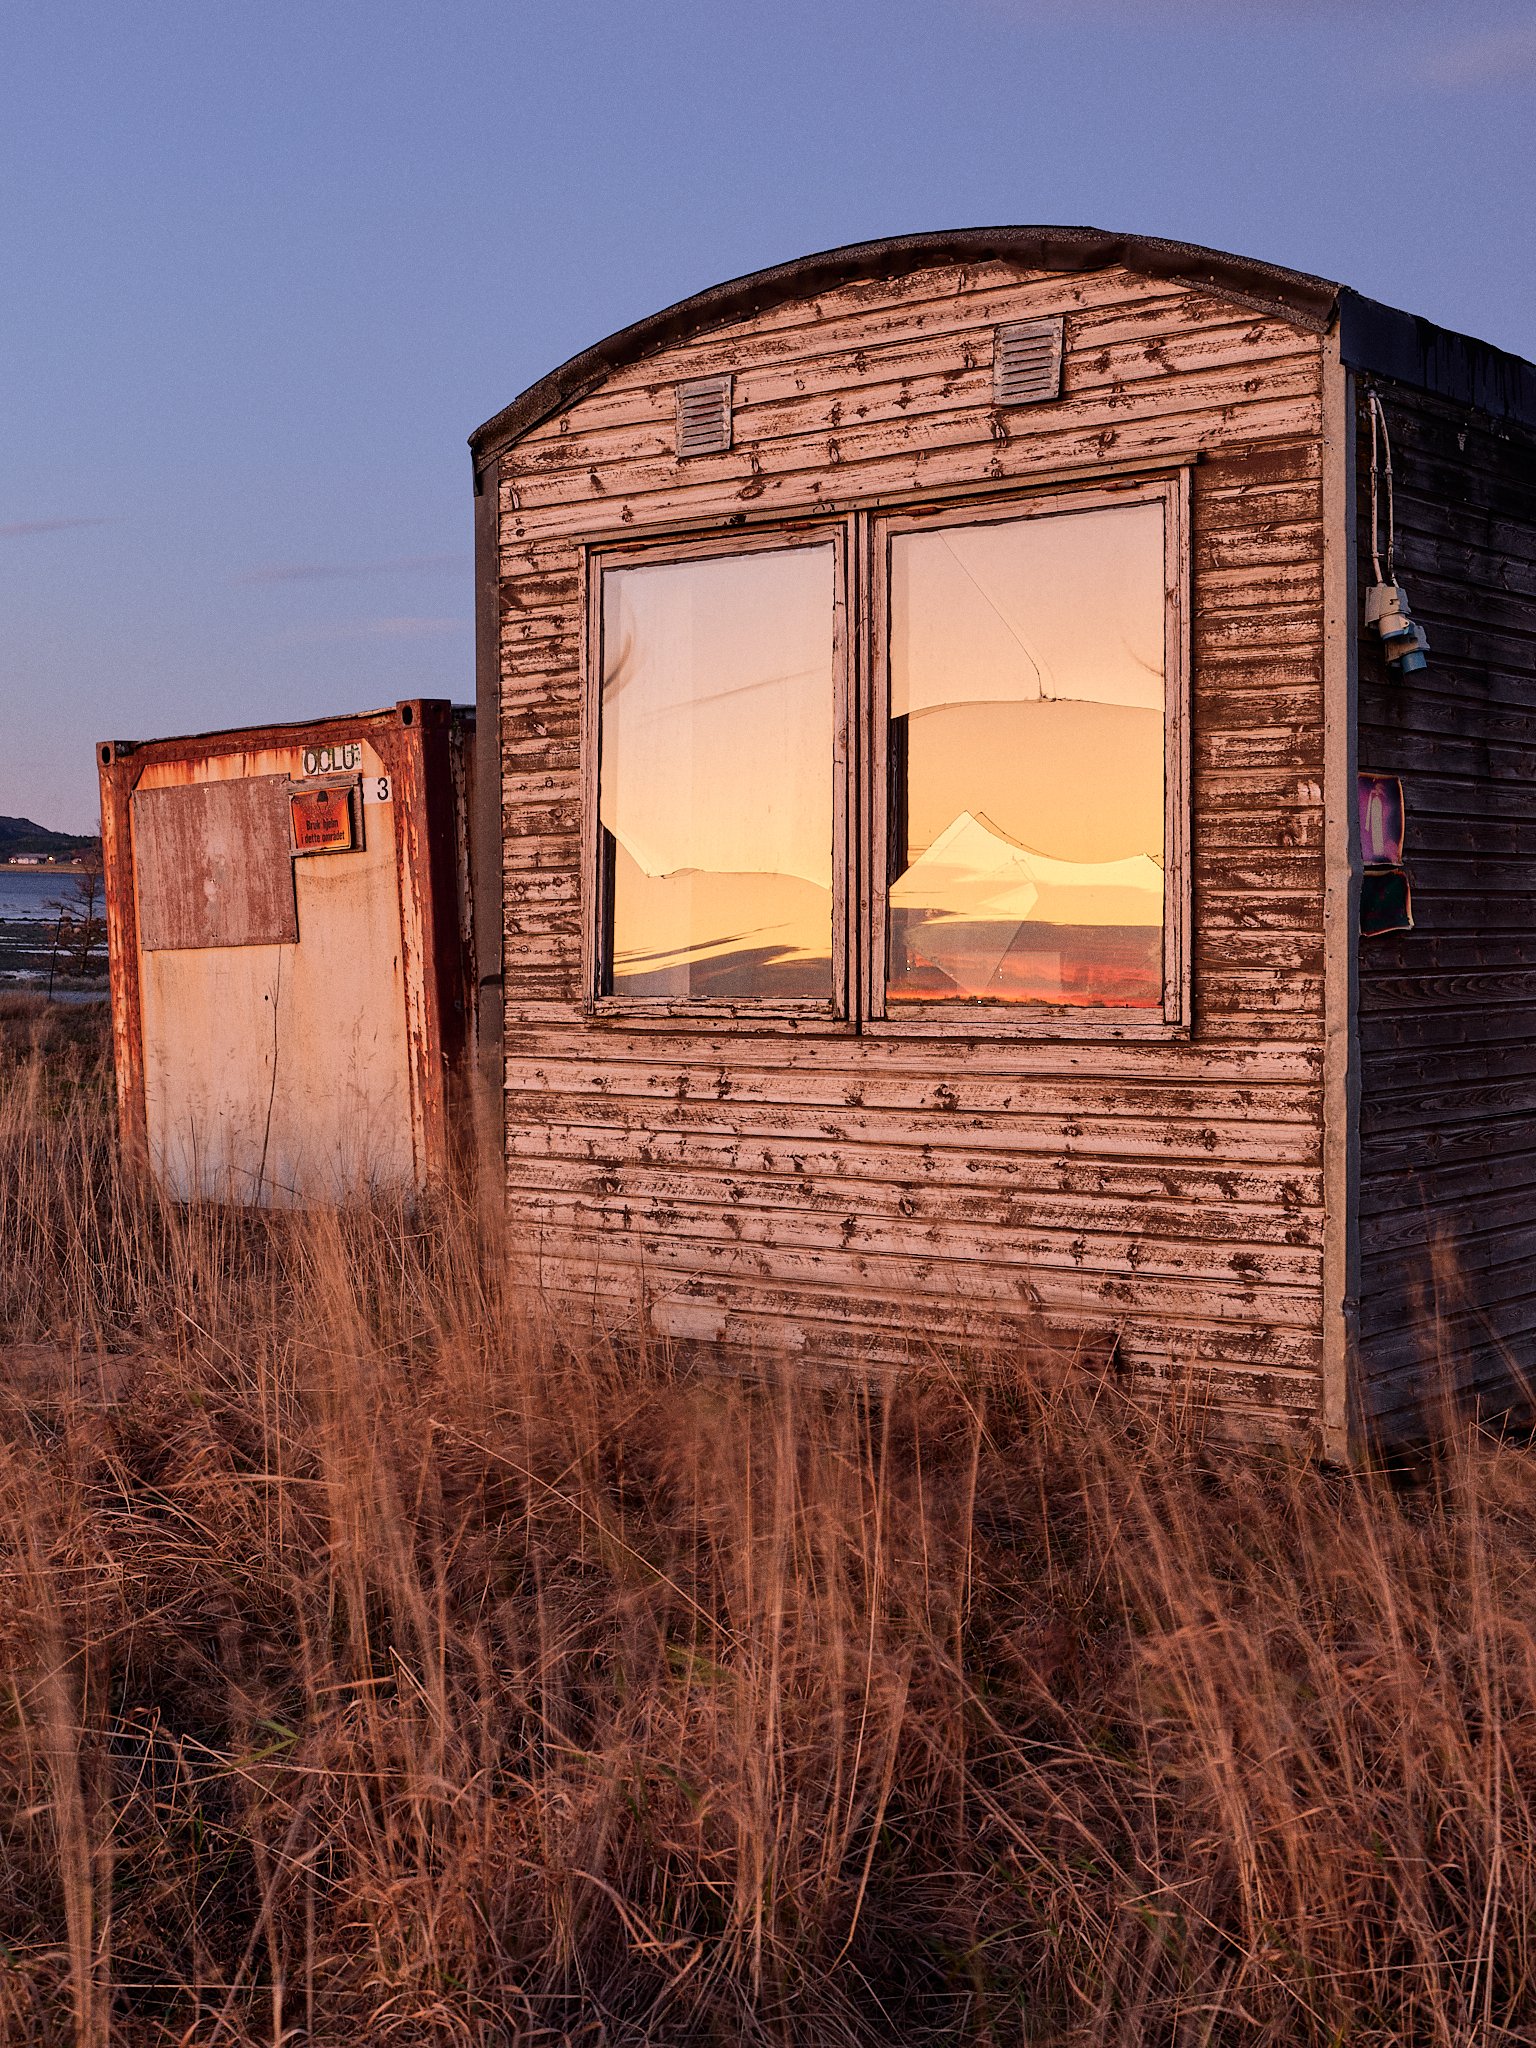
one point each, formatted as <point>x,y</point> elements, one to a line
<point>1289,293</point>
<point>1376,338</point>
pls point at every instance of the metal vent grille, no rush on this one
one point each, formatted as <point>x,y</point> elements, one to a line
<point>1026,362</point>
<point>703,416</point>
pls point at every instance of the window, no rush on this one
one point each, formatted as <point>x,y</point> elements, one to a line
<point>717,798</point>
<point>1026,760</point>
<point>1012,852</point>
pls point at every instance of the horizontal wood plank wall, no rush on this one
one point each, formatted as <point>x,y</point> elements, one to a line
<point>844,1195</point>
<point>1448,1011</point>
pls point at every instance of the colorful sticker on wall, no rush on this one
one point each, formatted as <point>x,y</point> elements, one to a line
<point>1382,821</point>
<point>1386,896</point>
<point>1386,902</point>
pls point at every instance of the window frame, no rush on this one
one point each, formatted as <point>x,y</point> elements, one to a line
<point>861,538</point>
<point>1016,1020</point>
<point>726,1012</point>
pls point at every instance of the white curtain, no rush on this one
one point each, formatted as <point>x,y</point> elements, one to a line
<point>717,713</point>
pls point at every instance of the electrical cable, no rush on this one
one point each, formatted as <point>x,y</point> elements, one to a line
<point>1383,469</point>
<point>1386,604</point>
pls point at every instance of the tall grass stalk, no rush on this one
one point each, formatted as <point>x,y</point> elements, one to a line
<point>386,1659</point>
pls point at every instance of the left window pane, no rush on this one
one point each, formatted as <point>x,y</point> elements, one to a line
<point>716,797</point>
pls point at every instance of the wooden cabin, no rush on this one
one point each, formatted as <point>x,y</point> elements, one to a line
<point>981,843</point>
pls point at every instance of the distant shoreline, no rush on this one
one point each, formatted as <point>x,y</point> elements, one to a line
<point>35,867</point>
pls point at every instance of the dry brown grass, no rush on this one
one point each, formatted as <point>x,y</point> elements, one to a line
<point>380,1664</point>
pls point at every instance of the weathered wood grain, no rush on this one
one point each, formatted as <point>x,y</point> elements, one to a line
<point>850,1196</point>
<point>1447,1023</point>
<point>212,865</point>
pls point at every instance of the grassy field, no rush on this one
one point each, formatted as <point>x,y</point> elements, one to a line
<point>383,1661</point>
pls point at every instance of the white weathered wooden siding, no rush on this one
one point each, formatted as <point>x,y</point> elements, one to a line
<point>822,1190</point>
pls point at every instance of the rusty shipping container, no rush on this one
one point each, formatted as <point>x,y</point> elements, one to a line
<point>288,922</point>
<point>972,839</point>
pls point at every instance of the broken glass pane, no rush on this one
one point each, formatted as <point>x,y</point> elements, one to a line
<point>1026,769</point>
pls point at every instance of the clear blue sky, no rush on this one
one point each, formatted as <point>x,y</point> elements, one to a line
<point>264,266</point>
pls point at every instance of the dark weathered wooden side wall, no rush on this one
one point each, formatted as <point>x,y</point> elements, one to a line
<point>830,1192</point>
<point>1448,1011</point>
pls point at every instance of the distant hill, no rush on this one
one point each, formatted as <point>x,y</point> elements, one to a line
<point>20,835</point>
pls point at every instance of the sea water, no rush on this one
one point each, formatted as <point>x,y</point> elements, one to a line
<point>29,911</point>
<point>28,895</point>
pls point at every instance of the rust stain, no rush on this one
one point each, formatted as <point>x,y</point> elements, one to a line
<point>225,903</point>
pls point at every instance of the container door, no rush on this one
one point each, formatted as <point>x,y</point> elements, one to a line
<point>276,1054</point>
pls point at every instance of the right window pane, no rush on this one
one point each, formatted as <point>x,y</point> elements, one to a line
<point>1026,761</point>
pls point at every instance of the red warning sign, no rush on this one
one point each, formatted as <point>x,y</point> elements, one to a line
<point>322,820</point>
